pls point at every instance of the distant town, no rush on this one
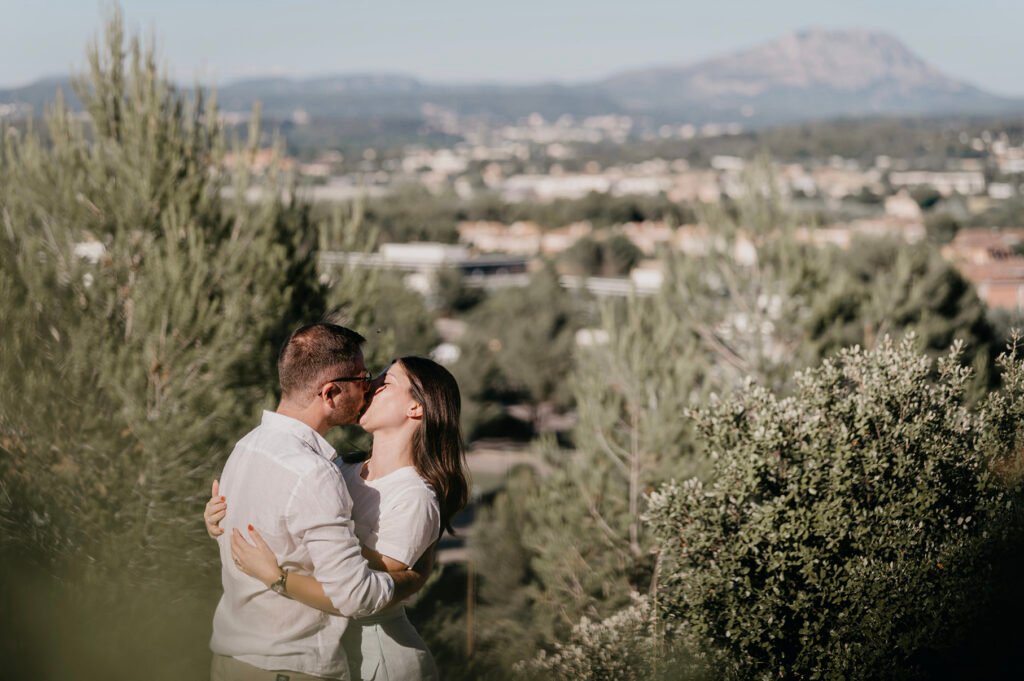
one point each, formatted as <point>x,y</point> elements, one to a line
<point>835,199</point>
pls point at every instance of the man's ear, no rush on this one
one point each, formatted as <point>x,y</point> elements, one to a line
<point>329,394</point>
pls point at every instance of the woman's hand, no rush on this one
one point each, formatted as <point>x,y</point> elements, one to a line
<point>255,560</point>
<point>216,507</point>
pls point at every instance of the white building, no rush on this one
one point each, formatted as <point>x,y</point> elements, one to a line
<point>902,207</point>
<point>547,187</point>
<point>966,182</point>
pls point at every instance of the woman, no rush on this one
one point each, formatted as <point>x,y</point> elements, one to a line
<point>403,497</point>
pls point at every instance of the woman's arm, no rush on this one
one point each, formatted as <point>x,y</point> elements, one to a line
<point>214,512</point>
<point>378,561</point>
<point>258,560</point>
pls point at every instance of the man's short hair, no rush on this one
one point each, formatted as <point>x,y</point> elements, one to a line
<point>314,351</point>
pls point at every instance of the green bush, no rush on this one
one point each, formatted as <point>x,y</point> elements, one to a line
<point>626,646</point>
<point>851,530</point>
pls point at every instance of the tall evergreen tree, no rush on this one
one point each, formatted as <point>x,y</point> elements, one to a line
<point>146,292</point>
<point>631,389</point>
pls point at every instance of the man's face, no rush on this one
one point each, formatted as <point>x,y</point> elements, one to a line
<point>351,395</point>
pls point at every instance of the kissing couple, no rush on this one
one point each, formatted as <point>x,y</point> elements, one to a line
<point>317,555</point>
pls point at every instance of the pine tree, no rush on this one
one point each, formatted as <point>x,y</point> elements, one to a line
<point>146,292</point>
<point>747,290</point>
<point>631,389</point>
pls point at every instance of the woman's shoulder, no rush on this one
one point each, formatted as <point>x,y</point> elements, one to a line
<point>405,485</point>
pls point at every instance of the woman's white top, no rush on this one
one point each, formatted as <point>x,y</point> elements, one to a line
<point>397,515</point>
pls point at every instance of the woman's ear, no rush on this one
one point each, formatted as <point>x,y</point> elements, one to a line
<point>415,411</point>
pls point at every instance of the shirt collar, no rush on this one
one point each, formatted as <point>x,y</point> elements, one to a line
<point>280,422</point>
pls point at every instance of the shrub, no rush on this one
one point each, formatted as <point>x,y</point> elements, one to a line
<point>626,646</point>
<point>851,530</point>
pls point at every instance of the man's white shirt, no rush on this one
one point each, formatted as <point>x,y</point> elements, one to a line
<point>280,478</point>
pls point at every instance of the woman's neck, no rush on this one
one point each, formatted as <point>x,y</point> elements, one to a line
<point>391,450</point>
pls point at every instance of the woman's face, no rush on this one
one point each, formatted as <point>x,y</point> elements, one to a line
<point>391,403</point>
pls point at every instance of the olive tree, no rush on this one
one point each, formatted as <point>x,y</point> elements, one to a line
<point>852,529</point>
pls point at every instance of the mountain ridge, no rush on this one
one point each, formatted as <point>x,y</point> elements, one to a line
<point>811,74</point>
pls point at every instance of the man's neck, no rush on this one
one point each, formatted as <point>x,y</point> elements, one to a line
<point>290,409</point>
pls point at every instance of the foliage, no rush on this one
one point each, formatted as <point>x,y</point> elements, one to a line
<point>518,348</point>
<point>941,227</point>
<point>747,294</point>
<point>1000,214</point>
<point>568,542</point>
<point>452,295</point>
<point>500,624</point>
<point>850,529</point>
<point>157,347</point>
<point>1005,324</point>
<point>614,256</point>
<point>628,645</point>
<point>925,195</point>
<point>148,286</point>
<point>605,210</point>
<point>927,143</point>
<point>649,360</point>
<point>883,287</point>
<point>412,213</point>
<point>745,309</point>
<point>583,258</point>
<point>631,387</point>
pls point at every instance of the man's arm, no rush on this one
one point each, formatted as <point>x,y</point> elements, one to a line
<point>258,560</point>
<point>319,515</point>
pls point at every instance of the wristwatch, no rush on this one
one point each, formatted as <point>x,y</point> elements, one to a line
<point>280,586</point>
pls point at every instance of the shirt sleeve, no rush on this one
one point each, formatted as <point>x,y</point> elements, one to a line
<point>409,526</point>
<point>319,515</point>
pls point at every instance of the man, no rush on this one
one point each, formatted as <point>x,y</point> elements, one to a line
<point>281,479</point>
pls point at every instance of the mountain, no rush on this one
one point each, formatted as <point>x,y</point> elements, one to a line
<point>37,94</point>
<point>813,74</point>
<point>807,75</point>
<point>375,95</point>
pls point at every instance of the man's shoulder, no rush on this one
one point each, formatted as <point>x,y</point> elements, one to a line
<point>274,447</point>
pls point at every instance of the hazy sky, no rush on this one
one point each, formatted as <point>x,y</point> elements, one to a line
<point>569,40</point>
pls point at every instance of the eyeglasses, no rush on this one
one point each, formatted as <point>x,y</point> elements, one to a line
<point>365,378</point>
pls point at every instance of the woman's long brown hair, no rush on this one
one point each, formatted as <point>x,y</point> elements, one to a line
<point>438,451</point>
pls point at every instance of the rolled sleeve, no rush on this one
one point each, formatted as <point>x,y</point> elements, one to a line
<point>320,516</point>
